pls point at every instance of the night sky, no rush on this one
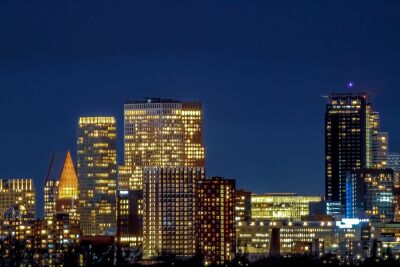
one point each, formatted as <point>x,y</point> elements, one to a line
<point>259,69</point>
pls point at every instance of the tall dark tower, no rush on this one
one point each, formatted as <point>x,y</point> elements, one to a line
<point>348,122</point>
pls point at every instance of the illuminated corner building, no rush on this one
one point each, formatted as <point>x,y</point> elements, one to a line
<point>97,173</point>
<point>243,205</point>
<point>169,210</point>
<point>61,187</point>
<point>278,206</point>
<point>349,124</point>
<point>370,191</point>
<point>17,192</point>
<point>160,133</point>
<point>216,228</point>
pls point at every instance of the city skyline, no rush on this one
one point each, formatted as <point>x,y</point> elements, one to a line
<point>284,188</point>
<point>259,70</point>
<point>200,133</point>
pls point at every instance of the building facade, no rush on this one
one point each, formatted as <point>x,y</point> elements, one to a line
<point>61,187</point>
<point>97,174</point>
<point>160,133</point>
<point>380,147</point>
<point>394,164</point>
<point>130,219</point>
<point>325,207</point>
<point>371,192</point>
<point>17,192</point>
<point>169,210</point>
<point>348,120</point>
<point>253,238</point>
<point>278,206</point>
<point>216,228</point>
<point>394,161</point>
<point>243,205</point>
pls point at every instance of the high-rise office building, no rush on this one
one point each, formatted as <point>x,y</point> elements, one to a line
<point>160,133</point>
<point>61,187</point>
<point>169,210</point>
<point>243,205</point>
<point>17,192</point>
<point>278,206</point>
<point>371,192</point>
<point>349,124</point>
<point>216,228</point>
<point>97,173</point>
<point>157,133</point>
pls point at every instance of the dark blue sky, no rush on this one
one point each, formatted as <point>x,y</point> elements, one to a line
<point>259,68</point>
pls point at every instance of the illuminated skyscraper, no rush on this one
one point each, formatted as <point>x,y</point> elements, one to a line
<point>169,210</point>
<point>216,228</point>
<point>160,133</point>
<point>17,192</point>
<point>61,187</point>
<point>348,132</point>
<point>97,174</point>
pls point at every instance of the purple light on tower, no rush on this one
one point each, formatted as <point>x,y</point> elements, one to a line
<point>350,85</point>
